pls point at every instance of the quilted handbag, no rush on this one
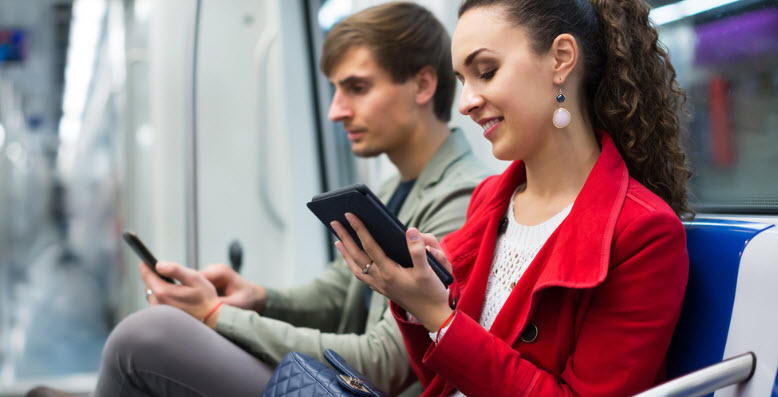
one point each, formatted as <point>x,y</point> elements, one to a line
<point>299,375</point>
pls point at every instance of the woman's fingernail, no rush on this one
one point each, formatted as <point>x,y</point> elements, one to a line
<point>349,217</point>
<point>413,235</point>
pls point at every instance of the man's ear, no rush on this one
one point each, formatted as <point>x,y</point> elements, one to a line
<point>564,55</point>
<point>426,84</point>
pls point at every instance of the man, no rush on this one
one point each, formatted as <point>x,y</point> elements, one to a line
<point>394,87</point>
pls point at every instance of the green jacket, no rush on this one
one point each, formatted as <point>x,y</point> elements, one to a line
<point>329,312</point>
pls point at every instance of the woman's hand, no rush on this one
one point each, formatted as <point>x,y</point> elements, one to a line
<point>195,295</point>
<point>417,289</point>
<point>235,290</point>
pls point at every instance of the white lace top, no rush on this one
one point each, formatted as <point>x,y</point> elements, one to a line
<point>514,251</point>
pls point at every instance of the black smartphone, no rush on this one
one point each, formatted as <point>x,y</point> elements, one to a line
<point>385,228</point>
<point>145,255</point>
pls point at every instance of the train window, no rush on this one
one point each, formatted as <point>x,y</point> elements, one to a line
<point>338,164</point>
<point>725,53</point>
<point>726,56</point>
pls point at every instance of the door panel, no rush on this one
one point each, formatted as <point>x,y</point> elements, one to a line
<point>257,163</point>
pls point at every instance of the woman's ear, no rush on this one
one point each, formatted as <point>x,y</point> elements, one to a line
<point>426,84</point>
<point>564,53</point>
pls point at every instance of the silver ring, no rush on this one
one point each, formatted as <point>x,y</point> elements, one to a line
<point>366,268</point>
<point>149,292</point>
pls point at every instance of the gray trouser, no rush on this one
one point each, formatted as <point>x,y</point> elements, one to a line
<point>162,351</point>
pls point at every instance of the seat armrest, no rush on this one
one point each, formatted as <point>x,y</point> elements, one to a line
<point>707,380</point>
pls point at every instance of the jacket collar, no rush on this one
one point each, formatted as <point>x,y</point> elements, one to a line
<point>453,148</point>
<point>576,255</point>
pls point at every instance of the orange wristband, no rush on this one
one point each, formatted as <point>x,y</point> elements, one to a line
<point>212,311</point>
<point>445,323</point>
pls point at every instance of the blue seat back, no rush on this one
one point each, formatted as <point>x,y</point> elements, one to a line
<point>715,248</point>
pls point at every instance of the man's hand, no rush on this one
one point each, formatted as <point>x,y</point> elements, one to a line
<point>195,295</point>
<point>234,290</point>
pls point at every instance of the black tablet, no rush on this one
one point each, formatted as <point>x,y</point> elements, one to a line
<point>385,228</point>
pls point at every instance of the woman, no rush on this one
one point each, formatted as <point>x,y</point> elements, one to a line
<point>571,267</point>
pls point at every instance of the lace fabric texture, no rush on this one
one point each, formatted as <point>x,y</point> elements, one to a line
<point>515,250</point>
<point>513,253</point>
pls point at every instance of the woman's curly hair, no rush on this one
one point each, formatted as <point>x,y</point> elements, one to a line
<point>629,82</point>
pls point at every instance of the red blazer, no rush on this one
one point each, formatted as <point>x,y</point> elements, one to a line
<point>601,297</point>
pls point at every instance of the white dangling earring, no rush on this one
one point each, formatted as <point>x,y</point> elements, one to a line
<point>561,116</point>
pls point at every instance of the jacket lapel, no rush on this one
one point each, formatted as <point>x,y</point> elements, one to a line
<point>452,149</point>
<point>576,255</point>
<point>475,274</point>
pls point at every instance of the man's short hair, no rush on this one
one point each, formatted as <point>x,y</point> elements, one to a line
<point>403,38</point>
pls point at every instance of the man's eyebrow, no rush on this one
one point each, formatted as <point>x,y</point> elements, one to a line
<point>353,80</point>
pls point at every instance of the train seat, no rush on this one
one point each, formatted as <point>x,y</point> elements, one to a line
<point>715,247</point>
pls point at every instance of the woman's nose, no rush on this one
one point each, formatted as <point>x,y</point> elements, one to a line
<point>469,100</point>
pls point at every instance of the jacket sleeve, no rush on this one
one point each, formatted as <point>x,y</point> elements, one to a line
<point>304,319</point>
<point>317,304</point>
<point>417,342</point>
<point>623,338</point>
<point>415,336</point>
<point>378,354</point>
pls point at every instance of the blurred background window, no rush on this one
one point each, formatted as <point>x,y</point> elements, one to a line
<point>726,55</point>
<point>62,109</point>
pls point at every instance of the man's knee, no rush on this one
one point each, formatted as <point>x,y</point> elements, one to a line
<point>147,332</point>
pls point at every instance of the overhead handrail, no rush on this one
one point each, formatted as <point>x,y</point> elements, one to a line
<point>707,380</point>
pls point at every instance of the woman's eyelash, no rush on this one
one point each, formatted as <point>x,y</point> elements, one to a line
<point>487,75</point>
